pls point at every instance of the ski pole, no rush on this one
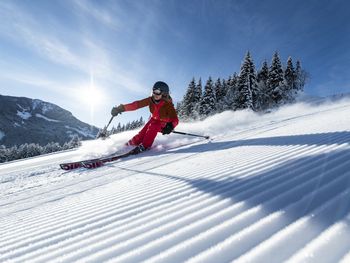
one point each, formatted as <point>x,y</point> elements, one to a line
<point>104,130</point>
<point>109,122</point>
<point>190,134</point>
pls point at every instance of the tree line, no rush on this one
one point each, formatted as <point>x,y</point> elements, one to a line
<point>33,149</point>
<point>126,127</point>
<point>258,90</point>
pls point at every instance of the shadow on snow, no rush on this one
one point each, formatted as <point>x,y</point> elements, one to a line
<point>317,139</point>
<point>317,184</point>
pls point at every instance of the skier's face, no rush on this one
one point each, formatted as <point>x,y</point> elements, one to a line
<point>157,94</point>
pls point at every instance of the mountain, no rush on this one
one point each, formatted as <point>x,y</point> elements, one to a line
<point>265,188</point>
<point>24,120</point>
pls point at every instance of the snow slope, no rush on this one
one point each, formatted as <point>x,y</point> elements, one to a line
<point>266,188</point>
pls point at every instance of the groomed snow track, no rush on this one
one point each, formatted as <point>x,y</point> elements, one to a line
<point>277,192</point>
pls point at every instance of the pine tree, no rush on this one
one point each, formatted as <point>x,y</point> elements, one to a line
<point>275,80</point>
<point>262,78</point>
<point>188,102</point>
<point>232,93</point>
<point>3,154</point>
<point>119,128</point>
<point>207,104</point>
<point>34,150</point>
<point>178,109</point>
<point>75,142</point>
<point>224,88</point>
<point>290,78</point>
<point>197,100</point>
<point>247,84</point>
<point>300,78</point>
<point>23,151</point>
<point>141,122</point>
<point>289,73</point>
<point>219,95</point>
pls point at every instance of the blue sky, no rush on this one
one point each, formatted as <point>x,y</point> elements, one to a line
<point>63,50</point>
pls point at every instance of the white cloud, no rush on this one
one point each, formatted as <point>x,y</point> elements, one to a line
<point>28,79</point>
<point>88,54</point>
<point>24,29</point>
<point>101,15</point>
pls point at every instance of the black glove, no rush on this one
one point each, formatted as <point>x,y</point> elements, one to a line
<point>117,110</point>
<point>168,128</point>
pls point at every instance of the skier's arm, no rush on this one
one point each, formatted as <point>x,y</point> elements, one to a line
<point>136,104</point>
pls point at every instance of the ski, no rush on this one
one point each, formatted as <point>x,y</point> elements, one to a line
<point>94,163</point>
<point>91,164</point>
<point>98,162</point>
<point>73,165</point>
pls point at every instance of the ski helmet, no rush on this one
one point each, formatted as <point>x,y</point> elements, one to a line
<point>162,86</point>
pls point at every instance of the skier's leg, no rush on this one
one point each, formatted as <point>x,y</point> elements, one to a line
<point>153,128</point>
<point>138,138</point>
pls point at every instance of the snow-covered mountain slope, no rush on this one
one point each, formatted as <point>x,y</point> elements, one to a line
<point>25,120</point>
<point>266,188</point>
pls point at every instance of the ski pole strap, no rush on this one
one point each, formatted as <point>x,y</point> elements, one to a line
<point>190,134</point>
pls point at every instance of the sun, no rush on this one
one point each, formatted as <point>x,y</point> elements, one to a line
<point>90,94</point>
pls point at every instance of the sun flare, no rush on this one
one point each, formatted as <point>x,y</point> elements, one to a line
<point>90,95</point>
<point>93,96</point>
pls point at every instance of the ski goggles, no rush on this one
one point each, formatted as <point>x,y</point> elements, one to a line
<point>157,92</point>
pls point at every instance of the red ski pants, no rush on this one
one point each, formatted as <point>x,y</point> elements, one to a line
<point>148,133</point>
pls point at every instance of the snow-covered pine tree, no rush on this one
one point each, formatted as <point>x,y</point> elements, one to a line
<point>197,100</point>
<point>247,84</point>
<point>222,105</point>
<point>289,73</point>
<point>34,150</point>
<point>141,122</point>
<point>232,93</point>
<point>52,147</point>
<point>263,73</point>
<point>290,77</point>
<point>208,102</point>
<point>8,154</point>
<point>262,79</point>
<point>3,154</point>
<point>300,77</point>
<point>74,142</point>
<point>128,126</point>
<point>188,102</point>
<point>275,80</point>
<point>23,151</point>
<point>224,87</point>
<point>178,108</point>
<point>220,93</point>
<point>133,125</point>
<point>119,128</point>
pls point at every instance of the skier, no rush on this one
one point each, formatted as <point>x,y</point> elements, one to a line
<point>163,119</point>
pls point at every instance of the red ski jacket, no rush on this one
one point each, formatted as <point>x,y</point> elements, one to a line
<point>163,111</point>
